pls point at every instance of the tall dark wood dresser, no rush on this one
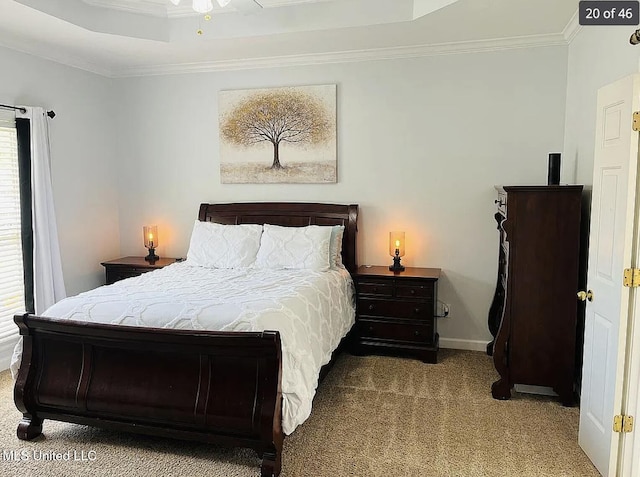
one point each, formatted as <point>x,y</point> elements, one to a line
<point>534,312</point>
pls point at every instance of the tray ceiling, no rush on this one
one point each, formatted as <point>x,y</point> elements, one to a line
<point>134,37</point>
<point>165,8</point>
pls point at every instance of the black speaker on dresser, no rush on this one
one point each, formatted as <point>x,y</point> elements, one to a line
<point>553,175</point>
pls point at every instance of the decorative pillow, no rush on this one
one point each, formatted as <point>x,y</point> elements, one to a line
<point>224,246</point>
<point>295,247</point>
<point>335,251</point>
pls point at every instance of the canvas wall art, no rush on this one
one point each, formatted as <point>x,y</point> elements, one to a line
<point>278,135</point>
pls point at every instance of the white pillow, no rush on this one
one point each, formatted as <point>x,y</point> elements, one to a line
<point>295,248</point>
<point>224,246</point>
<point>335,251</point>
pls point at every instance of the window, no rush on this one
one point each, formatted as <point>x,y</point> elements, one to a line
<point>12,298</point>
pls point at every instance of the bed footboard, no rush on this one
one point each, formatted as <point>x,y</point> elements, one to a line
<point>219,387</point>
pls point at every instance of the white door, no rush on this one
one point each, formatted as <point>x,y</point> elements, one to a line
<point>610,252</point>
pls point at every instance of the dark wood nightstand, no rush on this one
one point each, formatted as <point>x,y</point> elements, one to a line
<point>127,267</point>
<point>395,312</point>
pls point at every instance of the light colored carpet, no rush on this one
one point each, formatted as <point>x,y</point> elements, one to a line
<point>372,416</point>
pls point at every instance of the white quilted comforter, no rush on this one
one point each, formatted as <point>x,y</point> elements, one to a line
<point>311,310</point>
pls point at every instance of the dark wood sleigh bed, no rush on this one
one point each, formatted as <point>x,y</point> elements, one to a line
<point>218,387</point>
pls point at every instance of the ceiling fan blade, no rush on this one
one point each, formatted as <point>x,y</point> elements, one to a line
<point>246,6</point>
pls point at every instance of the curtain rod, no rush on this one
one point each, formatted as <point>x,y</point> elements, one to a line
<point>51,114</point>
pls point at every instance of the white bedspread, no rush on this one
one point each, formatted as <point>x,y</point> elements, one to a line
<point>311,310</point>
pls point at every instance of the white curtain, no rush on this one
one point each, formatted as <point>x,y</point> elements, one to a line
<point>48,283</point>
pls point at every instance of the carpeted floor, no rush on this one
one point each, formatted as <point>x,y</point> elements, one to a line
<point>372,416</point>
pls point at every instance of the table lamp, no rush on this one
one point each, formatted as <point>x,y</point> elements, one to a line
<point>150,233</point>
<point>396,250</point>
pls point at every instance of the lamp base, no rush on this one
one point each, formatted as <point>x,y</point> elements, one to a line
<point>152,257</point>
<point>396,267</point>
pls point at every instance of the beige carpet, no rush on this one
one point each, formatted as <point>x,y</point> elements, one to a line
<point>373,416</point>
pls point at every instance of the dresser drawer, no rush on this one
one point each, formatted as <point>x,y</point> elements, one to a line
<point>378,288</point>
<point>116,274</point>
<point>414,291</point>
<point>127,267</point>
<point>422,310</point>
<point>419,333</point>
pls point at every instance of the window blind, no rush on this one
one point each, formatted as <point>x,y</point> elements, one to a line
<point>12,299</point>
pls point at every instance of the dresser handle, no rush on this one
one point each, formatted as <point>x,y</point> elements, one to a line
<point>375,289</point>
<point>371,328</point>
<point>413,292</point>
<point>417,311</point>
<point>371,307</point>
<point>417,333</point>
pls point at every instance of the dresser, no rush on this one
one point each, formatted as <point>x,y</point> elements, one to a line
<point>395,312</point>
<point>534,312</point>
<point>127,267</point>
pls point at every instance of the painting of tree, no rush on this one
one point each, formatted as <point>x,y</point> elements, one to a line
<point>278,135</point>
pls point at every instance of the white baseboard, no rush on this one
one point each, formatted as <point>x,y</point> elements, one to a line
<point>473,345</point>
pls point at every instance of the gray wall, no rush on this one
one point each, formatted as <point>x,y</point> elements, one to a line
<point>597,56</point>
<point>83,158</point>
<point>421,144</point>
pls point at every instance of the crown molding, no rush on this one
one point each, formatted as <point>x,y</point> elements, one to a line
<point>465,47</point>
<point>479,46</point>
<point>57,55</point>
<point>287,3</point>
<point>572,28</point>
<point>162,9</point>
<point>141,7</point>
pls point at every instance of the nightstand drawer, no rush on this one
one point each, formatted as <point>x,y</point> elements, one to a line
<point>117,274</point>
<point>421,333</point>
<point>414,291</point>
<point>379,288</point>
<point>422,310</point>
<point>128,267</point>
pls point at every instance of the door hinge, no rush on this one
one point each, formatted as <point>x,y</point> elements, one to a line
<point>622,423</point>
<point>636,121</point>
<point>631,277</point>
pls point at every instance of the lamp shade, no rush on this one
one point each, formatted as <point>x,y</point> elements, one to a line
<point>396,242</point>
<point>150,233</point>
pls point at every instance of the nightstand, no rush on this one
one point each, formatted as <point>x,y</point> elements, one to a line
<point>127,267</point>
<point>395,312</point>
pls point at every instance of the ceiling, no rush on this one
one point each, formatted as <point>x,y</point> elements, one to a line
<point>141,37</point>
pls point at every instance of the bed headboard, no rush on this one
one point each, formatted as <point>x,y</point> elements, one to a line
<point>290,214</point>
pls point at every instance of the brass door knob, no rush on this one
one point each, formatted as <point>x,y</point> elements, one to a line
<point>585,295</point>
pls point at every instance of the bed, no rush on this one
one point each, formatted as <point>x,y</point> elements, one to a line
<point>222,387</point>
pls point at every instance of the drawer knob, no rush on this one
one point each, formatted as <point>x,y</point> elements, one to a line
<point>371,307</point>
<point>412,292</point>
<point>371,328</point>
<point>375,289</point>
<point>417,333</point>
<point>416,310</point>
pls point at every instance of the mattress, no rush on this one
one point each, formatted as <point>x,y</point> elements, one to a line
<point>312,311</point>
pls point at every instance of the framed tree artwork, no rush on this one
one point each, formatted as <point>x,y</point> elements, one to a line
<point>278,135</point>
